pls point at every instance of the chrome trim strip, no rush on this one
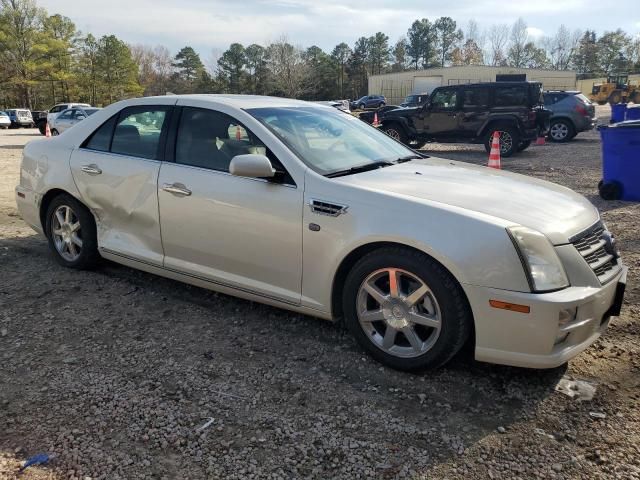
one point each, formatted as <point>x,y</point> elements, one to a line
<point>342,209</point>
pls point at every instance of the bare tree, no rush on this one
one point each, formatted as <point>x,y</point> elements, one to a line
<point>288,68</point>
<point>498,37</point>
<point>518,40</point>
<point>561,47</point>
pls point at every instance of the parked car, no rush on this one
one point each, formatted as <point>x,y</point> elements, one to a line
<point>302,207</point>
<point>61,107</point>
<point>20,117</point>
<point>5,121</point>
<point>69,117</point>
<point>471,114</point>
<point>572,113</point>
<point>369,101</point>
<point>415,100</point>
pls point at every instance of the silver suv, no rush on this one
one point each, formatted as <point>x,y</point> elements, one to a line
<point>572,113</point>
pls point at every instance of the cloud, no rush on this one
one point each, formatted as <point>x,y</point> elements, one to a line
<point>535,33</point>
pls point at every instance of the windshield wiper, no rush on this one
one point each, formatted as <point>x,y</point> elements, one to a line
<point>408,158</point>
<point>359,168</point>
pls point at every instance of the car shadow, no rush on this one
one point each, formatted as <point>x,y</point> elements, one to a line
<point>12,147</point>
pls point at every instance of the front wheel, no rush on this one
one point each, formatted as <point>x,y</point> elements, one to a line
<point>396,132</point>
<point>362,106</point>
<point>405,309</point>
<point>71,231</point>
<point>509,140</point>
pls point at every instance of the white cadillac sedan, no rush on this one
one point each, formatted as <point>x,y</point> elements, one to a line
<point>307,208</point>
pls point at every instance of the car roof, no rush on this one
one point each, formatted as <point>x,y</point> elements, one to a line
<point>242,101</point>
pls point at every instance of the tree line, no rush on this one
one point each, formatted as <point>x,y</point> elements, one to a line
<point>45,59</point>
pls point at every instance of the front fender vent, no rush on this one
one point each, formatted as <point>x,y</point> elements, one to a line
<point>327,208</point>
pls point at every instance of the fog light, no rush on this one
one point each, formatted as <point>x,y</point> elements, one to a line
<point>567,316</point>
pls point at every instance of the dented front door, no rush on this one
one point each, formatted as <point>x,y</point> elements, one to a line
<point>122,193</point>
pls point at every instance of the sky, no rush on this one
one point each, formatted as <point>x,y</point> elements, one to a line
<point>211,25</point>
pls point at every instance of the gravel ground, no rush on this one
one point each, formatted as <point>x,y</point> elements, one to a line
<point>116,370</point>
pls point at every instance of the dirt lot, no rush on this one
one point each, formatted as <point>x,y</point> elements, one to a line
<point>114,371</point>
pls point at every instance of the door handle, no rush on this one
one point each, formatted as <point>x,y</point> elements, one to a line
<point>176,189</point>
<point>92,169</point>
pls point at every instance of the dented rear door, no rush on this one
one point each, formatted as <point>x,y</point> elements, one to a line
<point>120,185</point>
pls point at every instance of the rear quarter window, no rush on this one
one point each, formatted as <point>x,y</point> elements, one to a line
<point>511,96</point>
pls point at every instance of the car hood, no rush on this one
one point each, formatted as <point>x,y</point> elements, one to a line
<point>556,211</point>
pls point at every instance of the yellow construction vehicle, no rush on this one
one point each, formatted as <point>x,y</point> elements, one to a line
<point>617,89</point>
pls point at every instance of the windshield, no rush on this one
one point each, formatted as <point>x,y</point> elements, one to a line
<point>328,140</point>
<point>411,99</point>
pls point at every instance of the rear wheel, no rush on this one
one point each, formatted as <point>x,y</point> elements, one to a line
<point>71,231</point>
<point>405,309</point>
<point>54,132</point>
<point>396,132</point>
<point>509,139</point>
<point>561,131</point>
<point>524,145</point>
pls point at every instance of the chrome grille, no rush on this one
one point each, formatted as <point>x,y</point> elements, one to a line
<point>592,245</point>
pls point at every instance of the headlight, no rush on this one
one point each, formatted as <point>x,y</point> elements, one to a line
<point>540,260</point>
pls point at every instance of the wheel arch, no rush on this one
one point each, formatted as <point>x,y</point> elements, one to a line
<point>502,120</point>
<point>48,197</point>
<point>360,251</point>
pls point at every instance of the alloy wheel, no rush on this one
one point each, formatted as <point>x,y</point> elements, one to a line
<point>66,233</point>
<point>559,131</point>
<point>506,142</point>
<point>398,313</point>
<point>393,133</point>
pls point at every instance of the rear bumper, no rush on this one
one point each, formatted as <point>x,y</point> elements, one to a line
<point>536,340</point>
<point>28,203</point>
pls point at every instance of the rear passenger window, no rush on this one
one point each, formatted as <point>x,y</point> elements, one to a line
<point>137,133</point>
<point>101,138</point>
<point>475,97</point>
<point>511,96</point>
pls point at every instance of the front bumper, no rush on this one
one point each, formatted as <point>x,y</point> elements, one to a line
<point>531,340</point>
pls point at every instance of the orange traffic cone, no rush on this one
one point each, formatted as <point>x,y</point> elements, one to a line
<point>540,140</point>
<point>238,134</point>
<point>375,120</point>
<point>47,130</point>
<point>494,156</point>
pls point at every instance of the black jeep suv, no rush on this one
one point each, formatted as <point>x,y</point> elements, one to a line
<point>471,114</point>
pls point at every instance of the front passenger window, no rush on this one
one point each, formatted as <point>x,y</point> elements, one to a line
<point>210,139</point>
<point>445,100</point>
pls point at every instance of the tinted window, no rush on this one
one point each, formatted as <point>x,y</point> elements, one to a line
<point>138,130</point>
<point>210,139</point>
<point>475,97</point>
<point>101,138</point>
<point>511,96</point>
<point>445,99</point>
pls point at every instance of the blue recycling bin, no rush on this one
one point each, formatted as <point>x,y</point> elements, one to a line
<point>617,112</point>
<point>620,161</point>
<point>633,113</point>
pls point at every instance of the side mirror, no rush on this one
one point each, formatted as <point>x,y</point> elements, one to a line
<point>251,165</point>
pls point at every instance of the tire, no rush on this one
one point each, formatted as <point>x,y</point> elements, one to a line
<point>54,132</point>
<point>524,145</point>
<point>615,98</point>
<point>509,139</point>
<point>362,106</point>
<point>64,246</point>
<point>418,144</point>
<point>395,131</point>
<point>382,104</point>
<point>442,304</point>
<point>561,131</point>
<point>602,102</point>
